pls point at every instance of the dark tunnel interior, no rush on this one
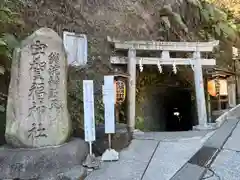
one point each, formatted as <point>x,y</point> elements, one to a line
<point>178,109</point>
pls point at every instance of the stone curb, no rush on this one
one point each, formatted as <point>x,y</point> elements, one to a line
<point>196,167</point>
<point>220,120</point>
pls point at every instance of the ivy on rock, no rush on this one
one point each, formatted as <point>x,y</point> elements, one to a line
<point>220,23</point>
<point>9,22</point>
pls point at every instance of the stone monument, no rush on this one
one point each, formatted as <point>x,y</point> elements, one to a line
<point>38,125</point>
<point>37,114</point>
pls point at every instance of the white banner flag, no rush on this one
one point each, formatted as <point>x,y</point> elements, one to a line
<point>89,118</point>
<point>109,107</point>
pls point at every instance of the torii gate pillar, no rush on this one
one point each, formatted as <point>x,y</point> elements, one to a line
<point>199,89</point>
<point>131,89</point>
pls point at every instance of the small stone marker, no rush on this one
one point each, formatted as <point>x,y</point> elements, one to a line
<point>109,109</point>
<point>37,114</point>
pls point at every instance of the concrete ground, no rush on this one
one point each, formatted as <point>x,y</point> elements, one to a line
<point>152,156</point>
<point>227,164</point>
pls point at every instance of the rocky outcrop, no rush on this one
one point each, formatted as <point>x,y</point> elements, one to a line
<point>121,139</point>
<point>44,163</point>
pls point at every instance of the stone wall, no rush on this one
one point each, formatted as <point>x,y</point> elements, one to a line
<point>153,108</point>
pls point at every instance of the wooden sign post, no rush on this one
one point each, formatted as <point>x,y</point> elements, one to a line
<point>89,123</point>
<point>109,109</point>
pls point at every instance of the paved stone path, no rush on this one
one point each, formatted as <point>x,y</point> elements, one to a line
<point>227,164</point>
<point>152,156</point>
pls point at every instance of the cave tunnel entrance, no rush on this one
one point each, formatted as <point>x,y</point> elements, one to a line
<point>177,110</point>
<point>170,109</point>
<point>168,101</point>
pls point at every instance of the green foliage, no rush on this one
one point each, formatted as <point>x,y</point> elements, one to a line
<point>7,44</point>
<point>99,114</point>
<point>167,11</point>
<point>146,79</point>
<point>75,102</point>
<point>216,22</point>
<point>8,19</point>
<point>196,3</point>
<point>8,16</point>
<point>230,6</point>
<point>166,21</point>
<point>2,109</point>
<point>140,123</point>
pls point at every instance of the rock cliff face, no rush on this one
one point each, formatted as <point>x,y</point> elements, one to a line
<point>123,19</point>
<point>126,19</point>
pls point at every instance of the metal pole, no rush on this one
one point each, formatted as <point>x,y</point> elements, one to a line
<point>109,141</point>
<point>236,81</point>
<point>209,109</point>
<point>90,148</point>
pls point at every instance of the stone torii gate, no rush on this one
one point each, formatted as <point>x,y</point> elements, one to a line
<point>165,47</point>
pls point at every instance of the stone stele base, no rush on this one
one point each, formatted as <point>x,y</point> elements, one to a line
<point>58,162</point>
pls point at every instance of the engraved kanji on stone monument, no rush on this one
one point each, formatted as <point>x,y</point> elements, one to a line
<point>54,74</point>
<point>36,70</point>
<point>37,112</point>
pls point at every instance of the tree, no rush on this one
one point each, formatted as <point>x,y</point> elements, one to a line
<point>9,20</point>
<point>232,6</point>
<point>214,19</point>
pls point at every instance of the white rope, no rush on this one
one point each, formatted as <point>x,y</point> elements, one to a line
<point>159,66</point>
<point>140,65</point>
<point>191,64</point>
<point>194,57</point>
<point>174,68</point>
